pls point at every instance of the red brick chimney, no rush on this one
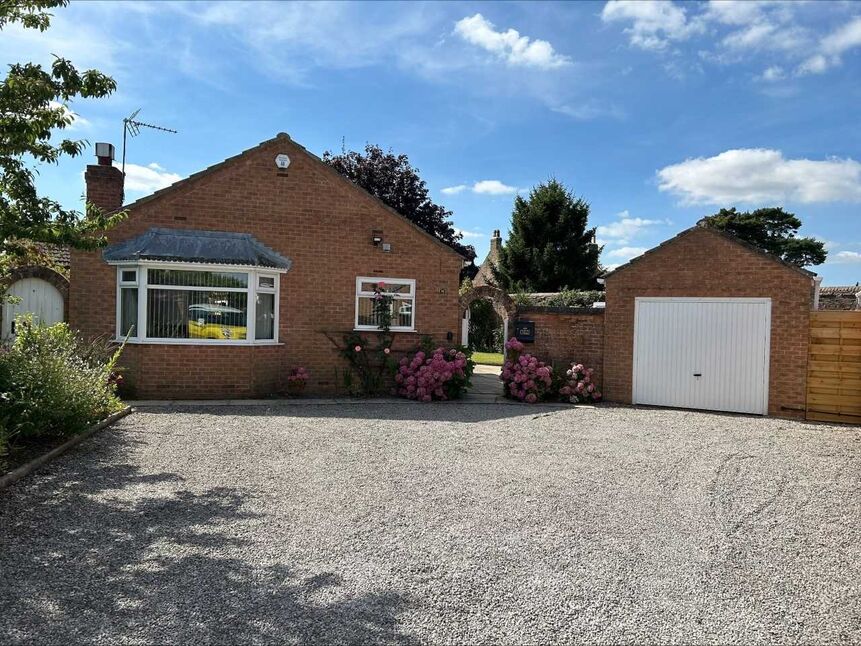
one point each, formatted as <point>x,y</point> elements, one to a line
<point>104,182</point>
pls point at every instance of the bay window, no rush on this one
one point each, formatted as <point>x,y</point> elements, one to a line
<point>402,305</point>
<point>186,304</point>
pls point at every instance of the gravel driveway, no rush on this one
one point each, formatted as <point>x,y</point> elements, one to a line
<point>440,523</point>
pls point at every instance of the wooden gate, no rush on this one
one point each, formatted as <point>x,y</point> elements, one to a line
<point>834,367</point>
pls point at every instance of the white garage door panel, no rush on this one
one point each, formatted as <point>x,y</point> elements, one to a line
<point>724,341</point>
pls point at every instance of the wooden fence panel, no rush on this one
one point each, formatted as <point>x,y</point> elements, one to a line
<point>834,367</point>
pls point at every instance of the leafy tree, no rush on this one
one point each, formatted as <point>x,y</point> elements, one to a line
<point>550,247</point>
<point>772,229</point>
<point>33,106</point>
<point>392,179</point>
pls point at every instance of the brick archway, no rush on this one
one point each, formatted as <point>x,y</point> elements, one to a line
<point>60,282</point>
<point>502,303</point>
<point>504,307</point>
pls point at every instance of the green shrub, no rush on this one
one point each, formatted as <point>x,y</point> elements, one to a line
<point>52,384</point>
<point>575,298</point>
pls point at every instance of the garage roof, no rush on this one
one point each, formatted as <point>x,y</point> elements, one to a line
<point>180,245</point>
<point>718,232</point>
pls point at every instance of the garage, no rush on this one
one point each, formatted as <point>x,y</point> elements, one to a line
<point>703,353</point>
<point>707,321</point>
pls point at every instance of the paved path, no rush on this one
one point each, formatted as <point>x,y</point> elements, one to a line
<point>486,386</point>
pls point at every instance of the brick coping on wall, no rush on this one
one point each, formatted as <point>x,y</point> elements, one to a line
<point>550,309</point>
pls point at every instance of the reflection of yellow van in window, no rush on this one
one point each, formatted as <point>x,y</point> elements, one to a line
<point>215,322</point>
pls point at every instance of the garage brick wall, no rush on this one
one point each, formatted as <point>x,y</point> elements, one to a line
<point>565,335</point>
<point>308,214</point>
<point>704,263</point>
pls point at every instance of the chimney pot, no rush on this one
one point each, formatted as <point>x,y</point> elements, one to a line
<point>105,153</point>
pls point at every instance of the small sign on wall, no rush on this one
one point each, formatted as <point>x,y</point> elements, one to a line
<point>524,331</point>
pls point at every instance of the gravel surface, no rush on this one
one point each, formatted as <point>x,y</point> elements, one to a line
<point>443,523</point>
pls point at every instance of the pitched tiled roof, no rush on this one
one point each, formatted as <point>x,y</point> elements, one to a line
<point>840,297</point>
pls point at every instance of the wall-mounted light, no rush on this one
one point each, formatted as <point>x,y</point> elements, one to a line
<point>376,240</point>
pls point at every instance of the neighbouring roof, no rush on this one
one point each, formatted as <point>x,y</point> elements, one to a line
<point>58,254</point>
<point>840,297</point>
<point>213,247</point>
<point>334,173</point>
<point>718,232</point>
<point>484,276</point>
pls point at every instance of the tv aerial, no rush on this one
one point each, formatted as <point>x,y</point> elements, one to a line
<point>131,126</point>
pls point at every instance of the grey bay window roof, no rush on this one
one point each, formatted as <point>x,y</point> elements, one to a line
<point>211,247</point>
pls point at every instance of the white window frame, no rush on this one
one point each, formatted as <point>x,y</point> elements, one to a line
<point>142,284</point>
<point>398,297</point>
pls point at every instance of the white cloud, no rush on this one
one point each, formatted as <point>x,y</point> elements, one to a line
<point>845,257</point>
<point>589,111</point>
<point>469,234</point>
<point>509,45</point>
<point>654,23</point>
<point>624,254</point>
<point>760,175</point>
<point>484,187</point>
<point>773,73</point>
<point>626,227</point>
<point>146,179</point>
<point>734,12</point>
<point>493,187</point>
<point>832,47</point>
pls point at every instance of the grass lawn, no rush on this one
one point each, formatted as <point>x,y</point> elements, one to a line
<point>488,358</point>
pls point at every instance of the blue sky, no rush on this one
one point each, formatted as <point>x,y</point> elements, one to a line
<point>656,113</point>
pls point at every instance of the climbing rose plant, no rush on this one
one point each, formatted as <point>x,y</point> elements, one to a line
<point>524,377</point>
<point>579,387</point>
<point>438,375</point>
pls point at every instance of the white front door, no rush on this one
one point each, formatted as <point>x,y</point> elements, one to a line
<point>34,296</point>
<point>706,353</point>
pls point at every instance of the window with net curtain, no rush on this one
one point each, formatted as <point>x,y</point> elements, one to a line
<point>171,304</point>
<point>402,291</point>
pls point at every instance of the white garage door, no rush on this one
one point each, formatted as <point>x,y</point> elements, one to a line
<point>708,353</point>
<point>34,296</point>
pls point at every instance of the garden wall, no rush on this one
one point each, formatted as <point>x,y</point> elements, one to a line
<point>567,334</point>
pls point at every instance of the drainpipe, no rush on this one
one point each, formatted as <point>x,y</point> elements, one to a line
<point>817,280</point>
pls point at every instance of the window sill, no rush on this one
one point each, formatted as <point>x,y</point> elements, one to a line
<point>229,344</point>
<point>376,329</point>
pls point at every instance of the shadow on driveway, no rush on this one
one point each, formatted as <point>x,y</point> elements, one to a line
<point>94,550</point>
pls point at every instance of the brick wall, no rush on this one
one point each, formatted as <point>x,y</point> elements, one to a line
<point>308,214</point>
<point>104,186</point>
<point>566,335</point>
<point>703,263</point>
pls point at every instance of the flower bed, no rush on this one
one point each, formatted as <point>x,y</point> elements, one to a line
<point>528,379</point>
<point>524,377</point>
<point>579,387</point>
<point>438,375</point>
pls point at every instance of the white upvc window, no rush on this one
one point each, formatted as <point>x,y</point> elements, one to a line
<point>160,302</point>
<point>403,304</point>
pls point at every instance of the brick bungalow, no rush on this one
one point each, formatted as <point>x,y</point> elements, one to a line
<point>231,277</point>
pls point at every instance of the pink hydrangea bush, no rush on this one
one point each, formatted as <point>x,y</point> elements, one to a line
<point>579,388</point>
<point>524,377</point>
<point>434,375</point>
